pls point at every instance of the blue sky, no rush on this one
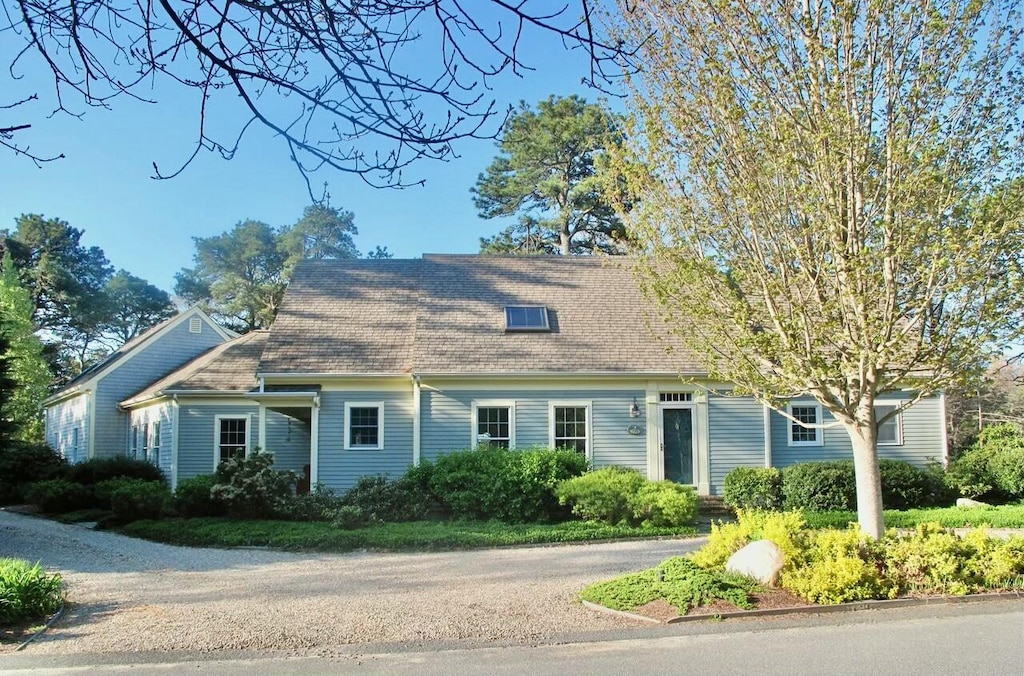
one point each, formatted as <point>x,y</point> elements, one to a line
<point>146,226</point>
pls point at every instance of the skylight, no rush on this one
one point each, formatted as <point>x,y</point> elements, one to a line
<point>526,318</point>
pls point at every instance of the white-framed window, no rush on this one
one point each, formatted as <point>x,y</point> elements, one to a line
<point>144,434</point>
<point>74,445</point>
<point>154,445</point>
<point>231,437</point>
<point>801,432</point>
<point>364,426</point>
<point>570,426</point>
<point>494,424</point>
<point>133,441</point>
<point>890,432</point>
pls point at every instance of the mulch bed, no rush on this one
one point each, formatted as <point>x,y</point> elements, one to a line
<point>768,599</point>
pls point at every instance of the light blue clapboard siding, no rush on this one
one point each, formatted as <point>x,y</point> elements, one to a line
<point>340,469</point>
<point>922,439</point>
<point>735,436</point>
<point>288,439</point>
<point>447,424</point>
<point>197,435</point>
<point>62,420</point>
<point>149,415</point>
<point>137,370</point>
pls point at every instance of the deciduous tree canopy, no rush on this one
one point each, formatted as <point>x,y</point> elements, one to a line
<point>831,214</point>
<point>361,87</point>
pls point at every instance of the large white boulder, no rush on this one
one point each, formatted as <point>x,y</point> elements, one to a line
<point>967,502</point>
<point>761,560</point>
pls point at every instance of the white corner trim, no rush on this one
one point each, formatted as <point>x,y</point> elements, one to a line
<point>767,423</point>
<point>945,431</point>
<point>415,421</point>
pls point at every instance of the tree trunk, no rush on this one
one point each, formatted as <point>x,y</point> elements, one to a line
<point>565,241</point>
<point>869,484</point>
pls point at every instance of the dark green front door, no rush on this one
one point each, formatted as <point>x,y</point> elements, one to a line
<point>677,444</point>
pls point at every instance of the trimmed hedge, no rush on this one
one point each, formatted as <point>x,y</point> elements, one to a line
<point>95,470</point>
<point>193,498</point>
<point>510,486</point>
<point>753,488</point>
<point>57,496</point>
<point>819,486</point>
<point>602,495</point>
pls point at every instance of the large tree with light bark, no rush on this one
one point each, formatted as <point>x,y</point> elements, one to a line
<point>826,198</point>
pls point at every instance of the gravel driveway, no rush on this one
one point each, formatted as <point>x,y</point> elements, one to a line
<point>133,595</point>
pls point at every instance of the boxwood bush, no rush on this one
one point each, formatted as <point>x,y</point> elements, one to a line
<point>753,488</point>
<point>381,499</point>
<point>819,486</point>
<point>57,496</point>
<point>134,499</point>
<point>193,498</point>
<point>602,495</point>
<point>664,504</point>
<point>95,470</point>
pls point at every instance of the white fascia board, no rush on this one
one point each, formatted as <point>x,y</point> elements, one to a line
<point>78,391</point>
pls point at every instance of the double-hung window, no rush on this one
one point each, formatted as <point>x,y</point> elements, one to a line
<point>154,445</point>
<point>570,426</point>
<point>364,426</point>
<point>133,441</point>
<point>144,434</point>
<point>494,424</point>
<point>802,428</point>
<point>232,437</point>
<point>890,432</point>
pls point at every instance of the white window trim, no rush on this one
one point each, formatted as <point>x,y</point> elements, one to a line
<point>552,405</point>
<point>819,430</point>
<point>379,405</point>
<point>898,418</point>
<point>216,434</point>
<point>494,403</point>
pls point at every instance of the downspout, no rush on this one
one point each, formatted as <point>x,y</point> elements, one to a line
<point>314,442</point>
<point>415,420</point>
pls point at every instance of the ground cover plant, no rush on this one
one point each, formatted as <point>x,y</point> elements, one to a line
<point>996,516</point>
<point>407,536</point>
<point>831,566</point>
<point>27,592</point>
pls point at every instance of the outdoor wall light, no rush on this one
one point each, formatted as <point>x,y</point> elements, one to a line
<point>634,410</point>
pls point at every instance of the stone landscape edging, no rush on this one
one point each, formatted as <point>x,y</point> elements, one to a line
<point>812,610</point>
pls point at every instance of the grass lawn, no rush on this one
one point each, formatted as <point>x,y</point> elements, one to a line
<point>1004,516</point>
<point>414,536</point>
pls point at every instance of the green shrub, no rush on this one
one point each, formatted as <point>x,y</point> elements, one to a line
<point>907,487</point>
<point>27,592</point>
<point>840,566</point>
<point>350,517</point>
<point>56,496</point>
<point>193,498</point>
<point>510,486</point>
<point>391,501</point>
<point>602,495</point>
<point>95,470</point>
<point>137,499</point>
<point>786,529</point>
<point>993,468</point>
<point>664,504</point>
<point>320,504</point>
<point>251,488</point>
<point>753,488</point>
<point>677,580</point>
<point>819,486</point>
<point>23,463</point>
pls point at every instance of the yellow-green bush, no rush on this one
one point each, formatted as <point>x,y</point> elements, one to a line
<point>786,529</point>
<point>840,567</point>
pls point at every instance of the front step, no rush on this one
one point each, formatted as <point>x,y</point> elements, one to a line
<point>713,505</point>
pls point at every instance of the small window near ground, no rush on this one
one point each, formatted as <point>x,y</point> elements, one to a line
<point>890,432</point>
<point>232,438</point>
<point>800,431</point>
<point>570,428</point>
<point>526,318</point>
<point>494,426</point>
<point>363,429</point>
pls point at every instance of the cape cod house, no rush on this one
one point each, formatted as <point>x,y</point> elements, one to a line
<point>376,365</point>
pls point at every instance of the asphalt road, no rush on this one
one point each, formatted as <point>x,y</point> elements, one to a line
<point>976,639</point>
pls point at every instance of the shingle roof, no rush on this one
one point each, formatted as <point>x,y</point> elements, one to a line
<point>228,367</point>
<point>445,314</point>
